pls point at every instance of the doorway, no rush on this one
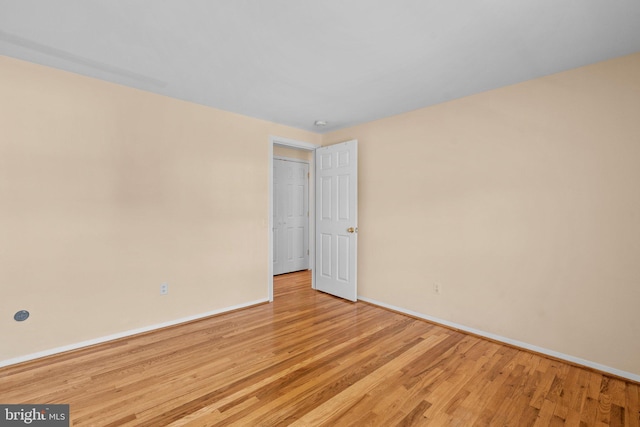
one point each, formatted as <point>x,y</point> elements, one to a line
<point>275,143</point>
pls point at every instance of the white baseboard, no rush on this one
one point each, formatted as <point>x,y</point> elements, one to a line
<point>520,344</point>
<point>131,332</point>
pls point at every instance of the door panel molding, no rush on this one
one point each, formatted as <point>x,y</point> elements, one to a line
<point>337,219</point>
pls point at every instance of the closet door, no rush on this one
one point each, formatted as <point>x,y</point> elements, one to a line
<point>290,216</point>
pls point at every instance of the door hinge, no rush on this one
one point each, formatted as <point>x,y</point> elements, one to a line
<point>308,174</point>
<point>307,251</point>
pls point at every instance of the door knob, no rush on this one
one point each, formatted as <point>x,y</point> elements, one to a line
<point>352,230</point>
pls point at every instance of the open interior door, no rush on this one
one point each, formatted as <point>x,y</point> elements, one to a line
<point>337,219</point>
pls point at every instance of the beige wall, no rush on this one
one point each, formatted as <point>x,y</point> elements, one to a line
<point>106,192</point>
<point>522,202</point>
<point>291,153</point>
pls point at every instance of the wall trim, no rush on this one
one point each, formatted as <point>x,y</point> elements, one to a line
<point>551,353</point>
<point>87,343</point>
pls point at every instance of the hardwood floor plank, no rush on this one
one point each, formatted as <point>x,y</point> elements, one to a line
<point>590,412</point>
<point>604,409</point>
<point>546,413</point>
<point>542,390</point>
<point>312,359</point>
<point>632,407</point>
<point>342,401</point>
<point>416,415</point>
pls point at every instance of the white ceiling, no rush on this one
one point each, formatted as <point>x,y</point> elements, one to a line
<point>297,61</point>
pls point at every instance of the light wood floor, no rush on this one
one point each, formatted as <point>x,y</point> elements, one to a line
<point>311,359</point>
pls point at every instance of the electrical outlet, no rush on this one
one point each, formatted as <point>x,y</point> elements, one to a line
<point>164,289</point>
<point>437,287</point>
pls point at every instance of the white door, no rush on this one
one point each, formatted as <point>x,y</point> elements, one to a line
<point>290,216</point>
<point>337,219</point>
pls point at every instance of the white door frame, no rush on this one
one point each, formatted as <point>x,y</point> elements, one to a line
<point>291,143</point>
